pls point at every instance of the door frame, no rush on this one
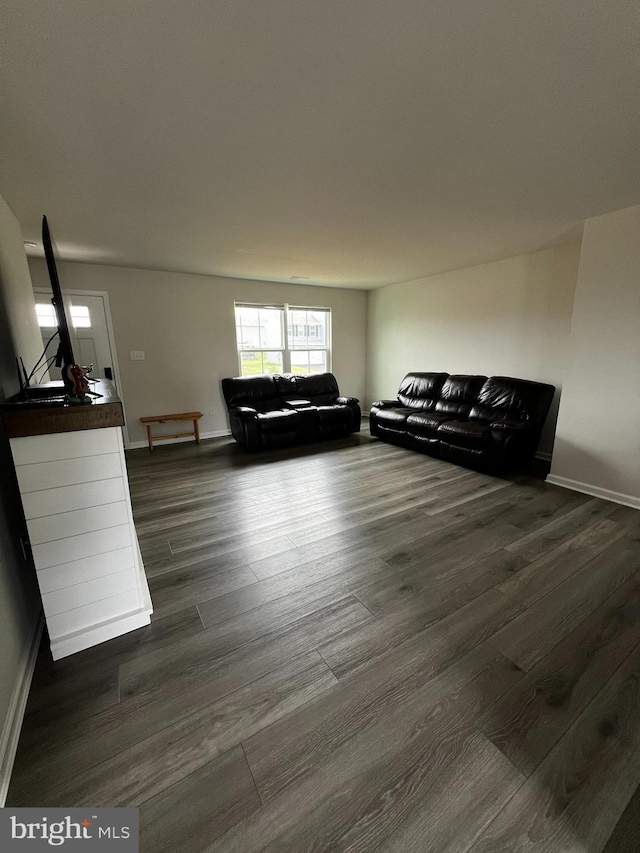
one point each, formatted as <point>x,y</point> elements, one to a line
<point>76,291</point>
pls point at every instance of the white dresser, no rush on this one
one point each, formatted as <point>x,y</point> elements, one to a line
<point>76,502</point>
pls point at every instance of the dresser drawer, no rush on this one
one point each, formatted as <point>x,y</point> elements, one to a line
<point>89,592</point>
<point>68,498</point>
<point>80,571</point>
<point>67,472</point>
<point>77,547</point>
<point>64,525</point>
<point>66,445</point>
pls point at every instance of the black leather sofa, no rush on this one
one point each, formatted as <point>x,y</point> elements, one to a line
<point>276,411</point>
<point>491,424</point>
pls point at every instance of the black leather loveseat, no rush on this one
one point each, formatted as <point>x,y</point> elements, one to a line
<point>491,424</point>
<point>275,411</point>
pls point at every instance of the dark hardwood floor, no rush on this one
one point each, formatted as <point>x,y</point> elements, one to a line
<point>356,647</point>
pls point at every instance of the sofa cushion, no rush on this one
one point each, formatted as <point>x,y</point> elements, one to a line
<point>458,395</point>
<point>421,391</point>
<point>319,388</point>
<point>284,420</point>
<point>259,392</point>
<point>503,398</point>
<point>394,418</point>
<point>425,424</point>
<point>334,414</point>
<point>468,434</point>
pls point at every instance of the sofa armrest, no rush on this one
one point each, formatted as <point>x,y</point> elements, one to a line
<point>347,401</point>
<point>514,442</point>
<point>243,411</point>
<point>385,404</point>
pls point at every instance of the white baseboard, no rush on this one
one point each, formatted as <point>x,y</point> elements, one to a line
<point>595,491</point>
<point>216,433</point>
<point>69,644</point>
<point>15,714</point>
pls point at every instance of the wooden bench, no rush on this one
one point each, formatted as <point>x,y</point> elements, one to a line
<point>164,419</point>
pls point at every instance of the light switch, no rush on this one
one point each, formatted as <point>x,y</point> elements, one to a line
<point>137,355</point>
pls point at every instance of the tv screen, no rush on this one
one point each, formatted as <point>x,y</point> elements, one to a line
<point>64,356</point>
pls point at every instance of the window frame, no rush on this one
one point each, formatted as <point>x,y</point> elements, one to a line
<point>285,308</point>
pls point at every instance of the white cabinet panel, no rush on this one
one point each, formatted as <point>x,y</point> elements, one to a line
<point>77,547</point>
<point>64,445</point>
<point>68,498</point>
<point>89,592</point>
<point>66,472</point>
<point>80,571</point>
<point>75,494</point>
<point>93,615</point>
<point>67,524</point>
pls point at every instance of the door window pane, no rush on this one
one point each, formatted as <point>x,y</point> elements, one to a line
<point>259,328</point>
<point>46,315</point>
<point>307,328</point>
<point>80,316</point>
<point>300,362</point>
<point>309,361</point>
<point>247,328</point>
<point>260,361</point>
<point>272,362</point>
<point>318,361</point>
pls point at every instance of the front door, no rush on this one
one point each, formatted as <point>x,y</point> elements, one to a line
<point>91,335</point>
<point>87,316</point>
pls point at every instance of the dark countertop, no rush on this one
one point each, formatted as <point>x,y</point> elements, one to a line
<point>105,411</point>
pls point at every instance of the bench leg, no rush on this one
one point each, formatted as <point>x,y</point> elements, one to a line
<point>149,439</point>
<point>196,430</point>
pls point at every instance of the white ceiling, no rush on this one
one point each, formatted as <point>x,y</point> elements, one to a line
<point>350,142</point>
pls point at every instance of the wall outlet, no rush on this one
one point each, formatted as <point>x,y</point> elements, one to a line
<point>212,411</point>
<point>137,355</point>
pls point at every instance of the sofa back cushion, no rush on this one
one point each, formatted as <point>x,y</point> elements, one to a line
<point>421,391</point>
<point>286,386</point>
<point>321,389</point>
<point>260,392</point>
<point>459,393</point>
<point>504,399</point>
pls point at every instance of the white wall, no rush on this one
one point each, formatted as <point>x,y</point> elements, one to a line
<point>510,317</point>
<point>598,437</point>
<point>19,599</point>
<point>185,325</point>
<point>17,296</point>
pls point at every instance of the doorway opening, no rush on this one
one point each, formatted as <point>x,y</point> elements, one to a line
<point>91,331</point>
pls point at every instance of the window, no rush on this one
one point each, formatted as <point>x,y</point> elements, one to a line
<point>80,317</point>
<point>282,339</point>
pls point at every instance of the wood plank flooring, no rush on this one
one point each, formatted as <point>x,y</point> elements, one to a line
<point>355,648</point>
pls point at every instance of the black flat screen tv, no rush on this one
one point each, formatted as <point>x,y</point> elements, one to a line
<point>64,356</point>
